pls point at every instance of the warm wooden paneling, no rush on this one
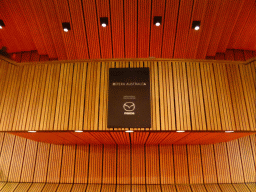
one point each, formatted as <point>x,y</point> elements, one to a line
<point>185,95</point>
<point>99,164</point>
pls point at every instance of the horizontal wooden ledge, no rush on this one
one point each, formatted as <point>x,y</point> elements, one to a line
<point>137,137</point>
<point>128,59</point>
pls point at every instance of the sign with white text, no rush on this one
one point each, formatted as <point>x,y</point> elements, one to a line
<point>129,98</point>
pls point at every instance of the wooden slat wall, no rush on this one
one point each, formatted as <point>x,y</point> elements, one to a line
<point>73,96</point>
<point>231,162</point>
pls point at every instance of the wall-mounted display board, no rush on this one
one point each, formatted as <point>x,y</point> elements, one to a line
<point>129,98</point>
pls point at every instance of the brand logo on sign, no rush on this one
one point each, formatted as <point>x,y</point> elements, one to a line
<point>129,107</point>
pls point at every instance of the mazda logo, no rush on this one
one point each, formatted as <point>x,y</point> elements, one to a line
<point>129,106</point>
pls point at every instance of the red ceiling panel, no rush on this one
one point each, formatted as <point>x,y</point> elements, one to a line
<point>130,26</point>
<point>39,16</point>
<point>219,25</point>
<point>62,9</point>
<point>91,26</point>
<point>183,27</point>
<point>55,28</point>
<point>207,27</point>
<point>170,22</point>
<point>144,15</point>
<point>8,32</point>
<point>78,30</point>
<point>117,24</point>
<point>199,10</point>
<point>14,10</point>
<point>241,22</point>
<point>35,25</point>
<point>158,9</point>
<point>245,35</point>
<point>235,9</point>
<point>105,32</point>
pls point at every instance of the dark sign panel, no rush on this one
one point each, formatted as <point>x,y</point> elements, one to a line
<point>129,98</point>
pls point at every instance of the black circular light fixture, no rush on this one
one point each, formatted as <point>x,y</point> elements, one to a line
<point>196,25</point>
<point>2,24</point>
<point>157,20</point>
<point>66,26</point>
<point>103,21</point>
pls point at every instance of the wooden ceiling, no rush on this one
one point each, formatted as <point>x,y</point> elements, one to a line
<point>37,25</point>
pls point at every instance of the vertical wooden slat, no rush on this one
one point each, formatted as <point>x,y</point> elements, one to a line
<point>23,187</point>
<point>41,162</point>
<point>166,164</point>
<point>64,96</point>
<point>77,97</point>
<point>180,164</point>
<point>123,164</point>
<point>50,97</point>
<point>17,159</point>
<point>8,105</point>
<point>152,164</point>
<point>109,164</point>
<point>95,164</point>
<point>138,164</point>
<point>222,165</point>
<point>68,163</point>
<point>29,161</point>
<point>181,96</point>
<point>81,164</point>
<point>224,97</point>
<point>36,187</point>
<point>6,156</point>
<point>208,164</point>
<point>235,165</point>
<point>36,100</point>
<point>246,151</point>
<point>196,97</point>
<point>195,169</point>
<point>54,166</point>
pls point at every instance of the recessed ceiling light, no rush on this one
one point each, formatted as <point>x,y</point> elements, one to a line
<point>157,20</point>
<point>196,25</point>
<point>229,131</point>
<point>104,21</point>
<point>66,26</point>
<point>78,131</point>
<point>32,131</point>
<point>197,28</point>
<point>129,131</point>
<point>2,24</point>
<point>180,131</point>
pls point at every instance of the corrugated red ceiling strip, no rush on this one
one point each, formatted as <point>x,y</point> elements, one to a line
<point>18,21</point>
<point>207,27</point>
<point>158,9</point>
<point>234,13</point>
<point>247,31</point>
<point>32,26</point>
<point>144,15</point>
<point>169,34</point>
<point>219,24</point>
<point>62,9</point>
<point>130,21</point>
<point>55,28</point>
<point>117,24</point>
<point>199,10</point>
<point>105,32</point>
<point>91,25</point>
<point>183,28</point>
<point>240,23</point>
<point>39,16</point>
<point>78,29</point>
